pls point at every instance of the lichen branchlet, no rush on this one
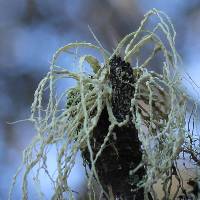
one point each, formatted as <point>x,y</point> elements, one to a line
<point>127,121</point>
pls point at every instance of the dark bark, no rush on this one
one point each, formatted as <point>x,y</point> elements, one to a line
<point>122,152</point>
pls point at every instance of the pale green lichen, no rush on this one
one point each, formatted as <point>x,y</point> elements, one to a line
<point>158,110</point>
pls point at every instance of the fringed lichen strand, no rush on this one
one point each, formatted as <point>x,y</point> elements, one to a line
<point>161,145</point>
<point>158,111</point>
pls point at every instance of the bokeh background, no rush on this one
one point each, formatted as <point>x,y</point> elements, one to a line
<point>32,30</point>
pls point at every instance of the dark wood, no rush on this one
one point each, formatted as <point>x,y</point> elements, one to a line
<point>122,152</point>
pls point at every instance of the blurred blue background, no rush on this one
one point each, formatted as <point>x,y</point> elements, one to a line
<point>32,30</point>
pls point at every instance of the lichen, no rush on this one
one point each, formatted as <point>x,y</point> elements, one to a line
<point>158,111</point>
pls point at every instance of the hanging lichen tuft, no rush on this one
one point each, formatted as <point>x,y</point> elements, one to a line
<point>127,121</point>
